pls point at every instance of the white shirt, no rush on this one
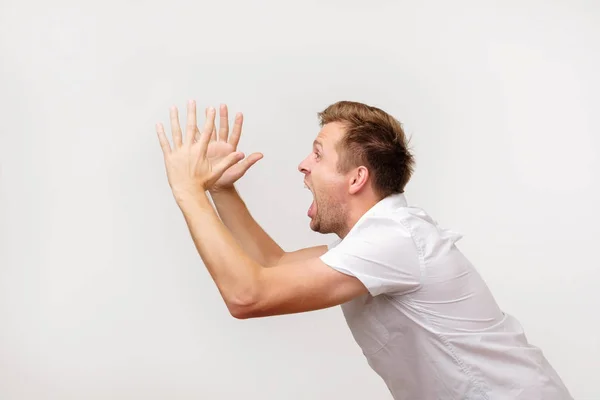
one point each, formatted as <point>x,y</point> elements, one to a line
<point>429,325</point>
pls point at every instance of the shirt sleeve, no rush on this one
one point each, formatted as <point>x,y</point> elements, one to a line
<point>380,253</point>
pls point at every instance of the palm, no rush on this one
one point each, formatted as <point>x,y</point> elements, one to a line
<point>218,150</point>
<point>222,144</point>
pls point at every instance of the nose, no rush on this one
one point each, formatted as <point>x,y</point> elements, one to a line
<point>303,166</point>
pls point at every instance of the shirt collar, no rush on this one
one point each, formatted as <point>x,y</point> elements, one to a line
<point>387,204</point>
<point>391,202</point>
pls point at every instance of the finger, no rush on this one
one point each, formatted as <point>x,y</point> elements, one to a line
<point>227,162</point>
<point>208,128</point>
<point>252,159</point>
<point>175,129</point>
<point>223,123</point>
<point>191,125</point>
<point>234,139</point>
<point>162,138</point>
<point>245,165</point>
<point>213,136</point>
<point>197,135</point>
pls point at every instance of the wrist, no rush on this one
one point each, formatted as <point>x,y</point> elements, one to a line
<point>222,191</point>
<point>189,196</point>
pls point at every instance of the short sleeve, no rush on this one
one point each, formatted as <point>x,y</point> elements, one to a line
<point>381,253</point>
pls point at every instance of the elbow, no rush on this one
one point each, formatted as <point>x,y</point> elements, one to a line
<point>245,300</point>
<point>239,312</point>
<point>243,305</point>
<point>242,310</point>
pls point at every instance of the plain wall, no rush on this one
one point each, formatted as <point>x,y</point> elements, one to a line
<point>102,294</point>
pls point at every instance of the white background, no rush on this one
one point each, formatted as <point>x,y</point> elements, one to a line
<point>102,295</point>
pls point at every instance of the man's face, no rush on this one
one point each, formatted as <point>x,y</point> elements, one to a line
<point>328,211</point>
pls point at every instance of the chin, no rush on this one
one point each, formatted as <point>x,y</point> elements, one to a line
<point>315,225</point>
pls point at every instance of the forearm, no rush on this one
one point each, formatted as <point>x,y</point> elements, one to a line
<point>234,272</point>
<point>252,238</point>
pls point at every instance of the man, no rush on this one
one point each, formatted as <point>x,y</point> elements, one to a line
<point>423,316</point>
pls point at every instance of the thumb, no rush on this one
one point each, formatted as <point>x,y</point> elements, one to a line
<point>251,160</point>
<point>245,165</point>
<point>227,162</point>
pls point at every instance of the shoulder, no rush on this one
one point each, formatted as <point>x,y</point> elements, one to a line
<point>381,238</point>
<point>380,251</point>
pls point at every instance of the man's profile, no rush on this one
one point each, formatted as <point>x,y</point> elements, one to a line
<point>422,315</point>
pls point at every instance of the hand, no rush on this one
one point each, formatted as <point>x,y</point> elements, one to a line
<point>224,144</point>
<point>189,170</point>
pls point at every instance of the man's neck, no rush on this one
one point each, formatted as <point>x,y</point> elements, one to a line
<point>357,209</point>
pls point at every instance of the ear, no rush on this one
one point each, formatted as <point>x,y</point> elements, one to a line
<point>358,179</point>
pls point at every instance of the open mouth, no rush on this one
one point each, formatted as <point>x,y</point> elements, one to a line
<point>312,210</point>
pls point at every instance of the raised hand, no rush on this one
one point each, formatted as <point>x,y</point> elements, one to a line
<point>223,144</point>
<point>190,171</point>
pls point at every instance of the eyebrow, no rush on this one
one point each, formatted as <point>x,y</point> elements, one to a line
<point>317,143</point>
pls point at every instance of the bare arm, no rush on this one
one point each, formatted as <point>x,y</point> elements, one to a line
<point>251,237</point>
<point>302,255</point>
<point>303,283</point>
<point>248,289</point>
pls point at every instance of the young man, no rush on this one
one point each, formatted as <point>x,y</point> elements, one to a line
<point>423,316</point>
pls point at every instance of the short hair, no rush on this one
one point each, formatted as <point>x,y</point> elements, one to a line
<point>375,139</point>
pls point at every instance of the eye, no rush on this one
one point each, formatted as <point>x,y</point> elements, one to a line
<point>317,155</point>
